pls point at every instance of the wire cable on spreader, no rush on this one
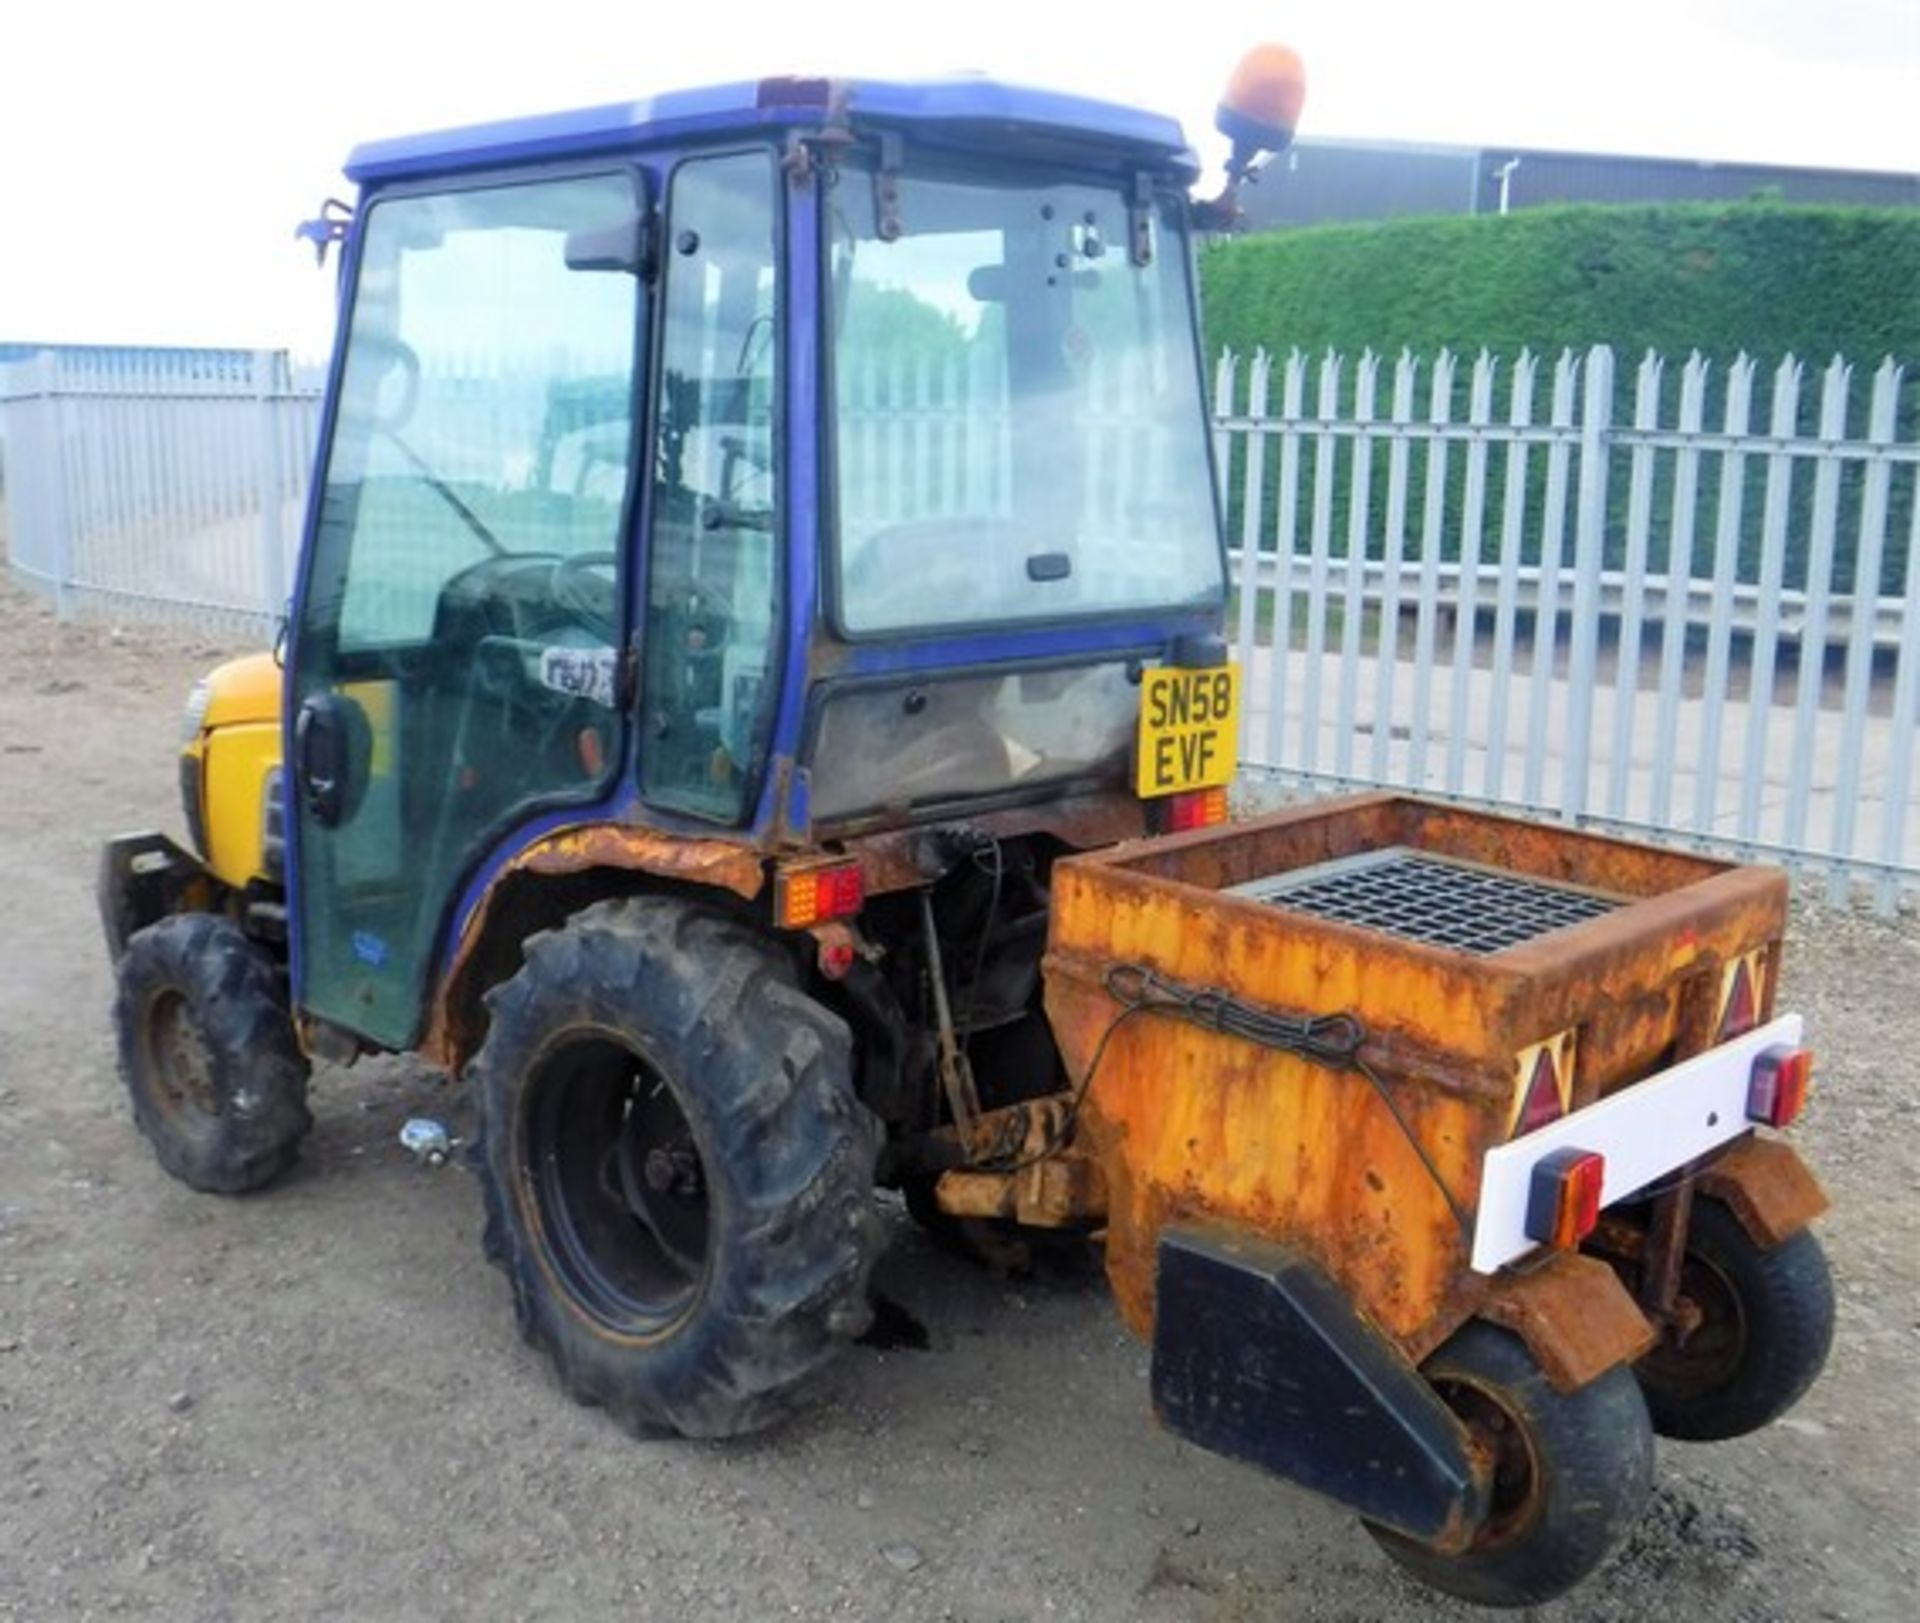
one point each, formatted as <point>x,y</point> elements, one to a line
<point>1332,1040</point>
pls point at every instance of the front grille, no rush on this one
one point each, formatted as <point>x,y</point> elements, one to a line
<point>191,804</point>
<point>1438,900</point>
<point>273,834</point>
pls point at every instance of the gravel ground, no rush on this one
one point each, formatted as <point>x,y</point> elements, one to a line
<point>313,1402</point>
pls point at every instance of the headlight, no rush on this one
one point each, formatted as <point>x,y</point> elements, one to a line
<point>196,712</point>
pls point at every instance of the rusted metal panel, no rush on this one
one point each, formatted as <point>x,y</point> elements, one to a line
<point>738,868</point>
<point>1551,851</point>
<point>1575,1316</point>
<point>451,1036</point>
<point>1193,1124</point>
<point>1766,1185</point>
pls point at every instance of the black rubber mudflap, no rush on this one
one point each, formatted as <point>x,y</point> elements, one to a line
<point>1259,1356</point>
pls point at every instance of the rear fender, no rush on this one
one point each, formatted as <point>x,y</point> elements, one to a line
<point>1767,1187</point>
<point>1573,1313</point>
<point>554,877</point>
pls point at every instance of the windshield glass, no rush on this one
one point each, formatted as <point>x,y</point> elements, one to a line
<point>1021,433</point>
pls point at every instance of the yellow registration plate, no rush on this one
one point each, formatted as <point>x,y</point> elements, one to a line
<point>1189,729</point>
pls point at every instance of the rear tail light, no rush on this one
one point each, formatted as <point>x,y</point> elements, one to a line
<point>1778,1092</point>
<point>1194,808</point>
<point>808,896</point>
<point>1563,1200</point>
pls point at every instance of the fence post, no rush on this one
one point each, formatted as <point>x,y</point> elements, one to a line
<point>1871,546</point>
<point>1589,552</point>
<point>1319,544</point>
<point>51,474</point>
<point>1466,605</point>
<point>9,451</point>
<point>1546,613</point>
<point>1359,521</point>
<point>269,475</point>
<point>1823,525</point>
<point>1252,508</point>
<point>1906,722</point>
<point>1633,605</point>
<point>1513,520</point>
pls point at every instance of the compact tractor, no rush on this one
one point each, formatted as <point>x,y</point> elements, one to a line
<point>754,709</point>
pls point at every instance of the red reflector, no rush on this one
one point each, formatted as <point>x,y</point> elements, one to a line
<point>805,896</point>
<point>1196,808</point>
<point>1542,1103</point>
<point>1778,1092</point>
<point>1563,1198</point>
<point>1742,1009</point>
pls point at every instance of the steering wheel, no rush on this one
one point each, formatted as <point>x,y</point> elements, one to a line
<point>384,355</point>
<point>588,597</point>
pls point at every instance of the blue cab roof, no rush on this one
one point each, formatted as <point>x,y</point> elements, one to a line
<point>953,105</point>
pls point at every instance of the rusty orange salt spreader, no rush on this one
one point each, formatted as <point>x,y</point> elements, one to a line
<point>1435,1172</point>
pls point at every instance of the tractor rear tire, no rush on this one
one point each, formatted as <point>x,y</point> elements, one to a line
<point>1766,1328</point>
<point>208,1054</point>
<point>677,1174</point>
<point>1572,1472</point>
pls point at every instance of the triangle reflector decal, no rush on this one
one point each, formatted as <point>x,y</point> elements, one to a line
<point>1542,1103</point>
<point>1741,1011</point>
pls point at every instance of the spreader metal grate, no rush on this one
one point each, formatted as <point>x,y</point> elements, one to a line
<point>1403,892</point>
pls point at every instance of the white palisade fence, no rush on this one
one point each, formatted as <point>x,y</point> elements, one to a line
<point>1683,604</point>
<point>169,480</point>
<point>1700,619</point>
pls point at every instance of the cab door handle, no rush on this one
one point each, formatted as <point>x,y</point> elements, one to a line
<point>322,755</point>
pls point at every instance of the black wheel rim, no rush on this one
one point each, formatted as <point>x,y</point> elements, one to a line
<point>1709,1354</point>
<point>178,1062</point>
<point>623,1206</point>
<point>1499,1434</point>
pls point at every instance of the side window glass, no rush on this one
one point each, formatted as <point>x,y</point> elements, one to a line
<point>711,590</point>
<point>485,404</point>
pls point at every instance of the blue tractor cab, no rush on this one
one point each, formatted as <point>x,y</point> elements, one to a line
<point>776,467</point>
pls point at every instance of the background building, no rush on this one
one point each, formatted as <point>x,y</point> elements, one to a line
<point>1321,180</point>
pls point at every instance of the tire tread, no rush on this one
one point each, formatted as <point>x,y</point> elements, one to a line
<point>707,998</point>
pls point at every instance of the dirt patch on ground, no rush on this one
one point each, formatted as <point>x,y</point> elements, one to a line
<point>313,1402</point>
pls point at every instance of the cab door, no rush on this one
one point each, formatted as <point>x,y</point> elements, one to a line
<point>457,643</point>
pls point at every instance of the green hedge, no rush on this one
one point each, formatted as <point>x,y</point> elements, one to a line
<point>1767,278</point>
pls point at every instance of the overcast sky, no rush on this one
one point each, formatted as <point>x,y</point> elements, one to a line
<point>154,158</point>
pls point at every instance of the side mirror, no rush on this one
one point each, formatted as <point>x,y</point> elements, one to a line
<point>625,246</point>
<point>326,228</point>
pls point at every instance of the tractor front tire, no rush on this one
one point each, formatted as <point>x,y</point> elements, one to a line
<point>1571,1472</point>
<point>208,1054</point>
<point>677,1174</point>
